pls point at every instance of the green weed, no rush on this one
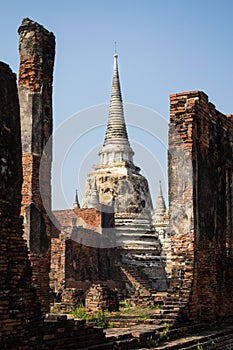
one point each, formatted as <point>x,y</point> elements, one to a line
<point>164,334</point>
<point>79,312</point>
<point>100,319</point>
<point>212,343</point>
<point>151,342</point>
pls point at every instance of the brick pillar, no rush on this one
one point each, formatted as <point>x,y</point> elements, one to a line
<point>19,305</point>
<point>181,191</point>
<point>201,205</point>
<point>37,50</point>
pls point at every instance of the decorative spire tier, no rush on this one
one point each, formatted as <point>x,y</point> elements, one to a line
<point>116,147</point>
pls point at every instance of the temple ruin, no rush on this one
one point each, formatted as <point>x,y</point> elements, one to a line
<point>116,181</point>
<point>199,260</point>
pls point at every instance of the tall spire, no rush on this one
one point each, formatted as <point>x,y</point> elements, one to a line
<point>116,146</point>
<point>76,202</point>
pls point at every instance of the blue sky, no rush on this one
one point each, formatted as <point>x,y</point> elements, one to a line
<point>164,47</point>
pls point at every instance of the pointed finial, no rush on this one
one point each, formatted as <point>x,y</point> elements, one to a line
<point>76,203</point>
<point>115,51</point>
<point>160,188</point>
<point>94,196</point>
<point>160,203</point>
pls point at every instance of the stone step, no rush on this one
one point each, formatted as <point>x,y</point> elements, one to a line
<point>189,341</point>
<point>130,338</point>
<point>170,316</point>
<point>82,341</point>
<point>127,223</point>
<point>177,297</point>
<point>173,305</point>
<point>140,280</point>
<point>206,339</point>
<point>225,342</point>
<point>137,218</point>
<point>135,243</point>
<point>135,232</point>
<point>182,336</point>
<point>175,301</point>
<point>126,344</point>
<point>178,330</point>
<point>165,312</point>
<point>144,225</point>
<point>103,346</point>
<point>126,236</point>
<point>220,343</point>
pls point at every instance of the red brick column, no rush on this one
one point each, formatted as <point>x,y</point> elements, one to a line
<point>201,205</point>
<point>37,50</point>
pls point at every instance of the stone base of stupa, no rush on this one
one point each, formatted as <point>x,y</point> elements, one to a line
<point>121,186</point>
<point>126,191</point>
<point>140,251</point>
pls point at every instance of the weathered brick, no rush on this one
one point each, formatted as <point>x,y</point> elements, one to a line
<point>37,49</point>
<point>200,194</point>
<point>19,306</point>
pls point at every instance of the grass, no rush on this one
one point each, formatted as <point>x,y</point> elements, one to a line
<point>99,317</point>
<point>107,319</point>
<point>79,311</point>
<point>126,305</point>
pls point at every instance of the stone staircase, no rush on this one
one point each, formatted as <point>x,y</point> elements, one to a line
<point>137,279</point>
<point>164,329</point>
<point>64,332</point>
<point>136,231</point>
<point>167,329</point>
<point>190,336</point>
<point>222,339</point>
<point>173,308</point>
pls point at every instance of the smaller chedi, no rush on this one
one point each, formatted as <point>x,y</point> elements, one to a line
<point>116,182</point>
<point>160,218</point>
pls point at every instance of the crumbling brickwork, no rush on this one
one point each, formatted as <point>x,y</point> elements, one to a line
<point>19,305</point>
<point>79,256</point>
<point>101,298</point>
<point>37,49</point>
<point>57,267</point>
<point>87,264</point>
<point>201,205</point>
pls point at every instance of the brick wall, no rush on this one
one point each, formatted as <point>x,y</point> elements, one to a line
<point>201,200</point>
<point>78,254</point>
<point>87,263</point>
<point>37,49</point>
<point>19,305</point>
<point>57,268</point>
